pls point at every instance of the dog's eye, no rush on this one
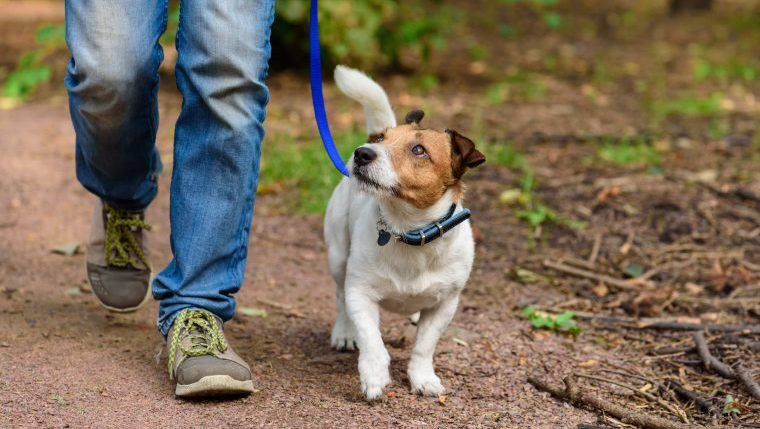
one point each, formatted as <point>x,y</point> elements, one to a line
<point>418,150</point>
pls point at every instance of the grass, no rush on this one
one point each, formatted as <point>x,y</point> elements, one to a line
<point>501,153</point>
<point>304,168</point>
<point>628,152</point>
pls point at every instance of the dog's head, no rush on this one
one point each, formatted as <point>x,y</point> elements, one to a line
<point>412,163</point>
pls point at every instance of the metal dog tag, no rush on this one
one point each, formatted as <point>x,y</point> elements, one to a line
<point>383,237</point>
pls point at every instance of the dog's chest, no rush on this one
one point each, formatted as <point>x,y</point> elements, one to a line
<point>410,279</point>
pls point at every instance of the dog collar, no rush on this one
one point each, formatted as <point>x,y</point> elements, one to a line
<point>426,234</point>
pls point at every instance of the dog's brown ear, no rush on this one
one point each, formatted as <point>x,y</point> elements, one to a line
<point>414,117</point>
<point>465,155</point>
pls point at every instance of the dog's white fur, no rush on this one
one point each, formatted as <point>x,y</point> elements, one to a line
<point>397,277</point>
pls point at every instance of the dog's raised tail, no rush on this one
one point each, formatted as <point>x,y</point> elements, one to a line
<point>372,97</point>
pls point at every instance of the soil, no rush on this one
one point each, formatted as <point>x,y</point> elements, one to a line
<point>692,225</point>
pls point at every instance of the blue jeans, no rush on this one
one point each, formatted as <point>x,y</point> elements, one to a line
<point>112,81</point>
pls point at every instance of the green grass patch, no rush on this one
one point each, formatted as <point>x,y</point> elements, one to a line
<point>533,210</point>
<point>501,153</point>
<point>689,106</point>
<point>560,323</point>
<point>629,152</point>
<point>304,167</point>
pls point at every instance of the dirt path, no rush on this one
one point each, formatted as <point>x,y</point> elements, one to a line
<point>66,362</point>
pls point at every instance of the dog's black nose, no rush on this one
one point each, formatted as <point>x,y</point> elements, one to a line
<point>364,156</point>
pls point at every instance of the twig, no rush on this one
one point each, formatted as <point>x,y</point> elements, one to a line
<point>679,413</point>
<point>703,404</point>
<point>745,377</point>
<point>288,310</point>
<point>595,249</point>
<point>666,324</point>
<point>711,362</point>
<point>681,326</point>
<point>622,284</point>
<point>571,394</point>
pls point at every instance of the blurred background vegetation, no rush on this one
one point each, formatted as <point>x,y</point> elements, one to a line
<point>635,78</point>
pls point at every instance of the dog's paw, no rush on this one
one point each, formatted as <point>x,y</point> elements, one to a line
<point>343,337</point>
<point>373,386</point>
<point>374,373</point>
<point>426,384</point>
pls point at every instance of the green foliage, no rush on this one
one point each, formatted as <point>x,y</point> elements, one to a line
<point>367,33</point>
<point>534,212</point>
<point>172,23</point>
<point>304,168</point>
<point>629,152</point>
<point>31,71</point>
<point>502,153</point>
<point>545,8</point>
<point>560,323</point>
<point>690,106</point>
<point>516,86</point>
<point>730,407</point>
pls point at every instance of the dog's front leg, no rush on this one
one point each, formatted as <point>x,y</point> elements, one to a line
<point>432,324</point>
<point>364,312</point>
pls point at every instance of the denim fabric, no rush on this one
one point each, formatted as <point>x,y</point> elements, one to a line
<point>112,80</point>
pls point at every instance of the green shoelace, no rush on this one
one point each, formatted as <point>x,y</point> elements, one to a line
<point>121,243</point>
<point>202,329</point>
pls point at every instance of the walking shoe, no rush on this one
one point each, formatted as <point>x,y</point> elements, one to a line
<point>201,361</point>
<point>118,268</point>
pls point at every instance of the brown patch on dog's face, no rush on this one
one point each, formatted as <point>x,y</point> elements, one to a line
<point>428,162</point>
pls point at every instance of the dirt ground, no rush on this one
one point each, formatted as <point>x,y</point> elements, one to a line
<point>66,362</point>
<point>675,241</point>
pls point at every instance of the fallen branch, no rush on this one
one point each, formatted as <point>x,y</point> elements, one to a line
<point>703,404</point>
<point>664,404</point>
<point>684,326</point>
<point>712,363</point>
<point>745,377</point>
<point>635,417</point>
<point>665,324</point>
<point>612,281</point>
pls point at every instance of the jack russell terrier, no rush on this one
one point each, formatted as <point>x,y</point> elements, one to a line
<point>397,237</point>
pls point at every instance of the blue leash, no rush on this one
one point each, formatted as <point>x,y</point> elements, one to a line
<point>318,100</point>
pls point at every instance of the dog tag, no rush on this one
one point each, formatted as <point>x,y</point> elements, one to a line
<point>383,237</point>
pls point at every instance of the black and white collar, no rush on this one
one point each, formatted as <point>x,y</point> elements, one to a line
<point>426,234</point>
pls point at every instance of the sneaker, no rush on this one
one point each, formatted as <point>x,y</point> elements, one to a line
<point>200,359</point>
<point>118,267</point>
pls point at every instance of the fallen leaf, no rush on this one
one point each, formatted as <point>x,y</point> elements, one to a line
<point>4,344</point>
<point>73,291</point>
<point>68,249</point>
<point>442,399</point>
<point>526,276</point>
<point>694,288</point>
<point>253,312</point>
<point>589,363</point>
<point>460,342</point>
<point>601,290</point>
<point>633,270</point>
<point>391,394</point>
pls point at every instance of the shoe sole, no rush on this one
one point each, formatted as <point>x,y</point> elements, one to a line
<point>117,309</point>
<point>214,385</point>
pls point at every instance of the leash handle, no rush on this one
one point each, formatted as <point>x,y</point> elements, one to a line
<point>317,99</point>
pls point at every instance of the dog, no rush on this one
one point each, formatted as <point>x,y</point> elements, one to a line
<point>397,237</point>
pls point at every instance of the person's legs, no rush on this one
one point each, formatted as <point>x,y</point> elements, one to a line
<point>112,81</point>
<point>223,60</point>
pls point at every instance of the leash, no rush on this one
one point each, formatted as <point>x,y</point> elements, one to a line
<point>317,99</point>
